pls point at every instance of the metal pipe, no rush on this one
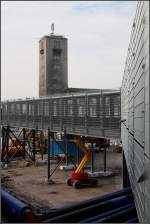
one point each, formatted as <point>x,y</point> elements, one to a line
<point>120,216</point>
<point>13,209</point>
<point>57,166</point>
<point>92,210</point>
<point>133,220</point>
<point>86,203</point>
<point>107,214</point>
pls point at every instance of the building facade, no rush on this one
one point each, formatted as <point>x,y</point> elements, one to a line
<point>135,111</point>
<point>93,114</point>
<point>53,65</point>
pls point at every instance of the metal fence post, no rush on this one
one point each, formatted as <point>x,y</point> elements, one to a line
<point>48,153</point>
<point>7,143</point>
<point>105,159</point>
<point>66,146</point>
<point>92,158</point>
<point>33,132</point>
<point>24,144</point>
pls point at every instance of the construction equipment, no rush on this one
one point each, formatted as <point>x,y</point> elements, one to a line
<point>12,145</point>
<point>79,177</point>
<point>37,140</point>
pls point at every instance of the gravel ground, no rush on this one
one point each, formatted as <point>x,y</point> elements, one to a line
<point>30,182</point>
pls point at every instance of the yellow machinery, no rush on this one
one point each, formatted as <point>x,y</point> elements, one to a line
<point>86,157</point>
<point>79,177</point>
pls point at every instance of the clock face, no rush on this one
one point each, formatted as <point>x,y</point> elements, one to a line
<point>41,51</point>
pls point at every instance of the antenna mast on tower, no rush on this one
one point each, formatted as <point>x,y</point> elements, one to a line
<point>52,28</point>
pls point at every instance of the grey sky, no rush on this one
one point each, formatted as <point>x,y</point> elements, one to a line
<point>98,35</point>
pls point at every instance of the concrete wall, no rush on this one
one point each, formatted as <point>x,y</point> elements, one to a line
<point>135,111</point>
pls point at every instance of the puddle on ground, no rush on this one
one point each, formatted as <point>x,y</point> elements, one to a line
<point>53,192</point>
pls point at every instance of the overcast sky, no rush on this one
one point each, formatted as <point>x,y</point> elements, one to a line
<point>98,36</point>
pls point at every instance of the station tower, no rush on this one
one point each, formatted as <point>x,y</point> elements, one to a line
<point>53,64</point>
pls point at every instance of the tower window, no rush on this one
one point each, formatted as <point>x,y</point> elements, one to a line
<point>57,67</point>
<point>56,52</point>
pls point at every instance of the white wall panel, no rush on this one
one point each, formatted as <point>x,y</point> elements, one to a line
<point>135,110</point>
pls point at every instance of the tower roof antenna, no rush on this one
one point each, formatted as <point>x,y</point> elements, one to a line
<point>52,28</point>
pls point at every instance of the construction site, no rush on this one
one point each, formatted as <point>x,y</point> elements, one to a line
<point>76,154</point>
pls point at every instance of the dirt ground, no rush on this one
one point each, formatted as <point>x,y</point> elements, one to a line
<point>30,183</point>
